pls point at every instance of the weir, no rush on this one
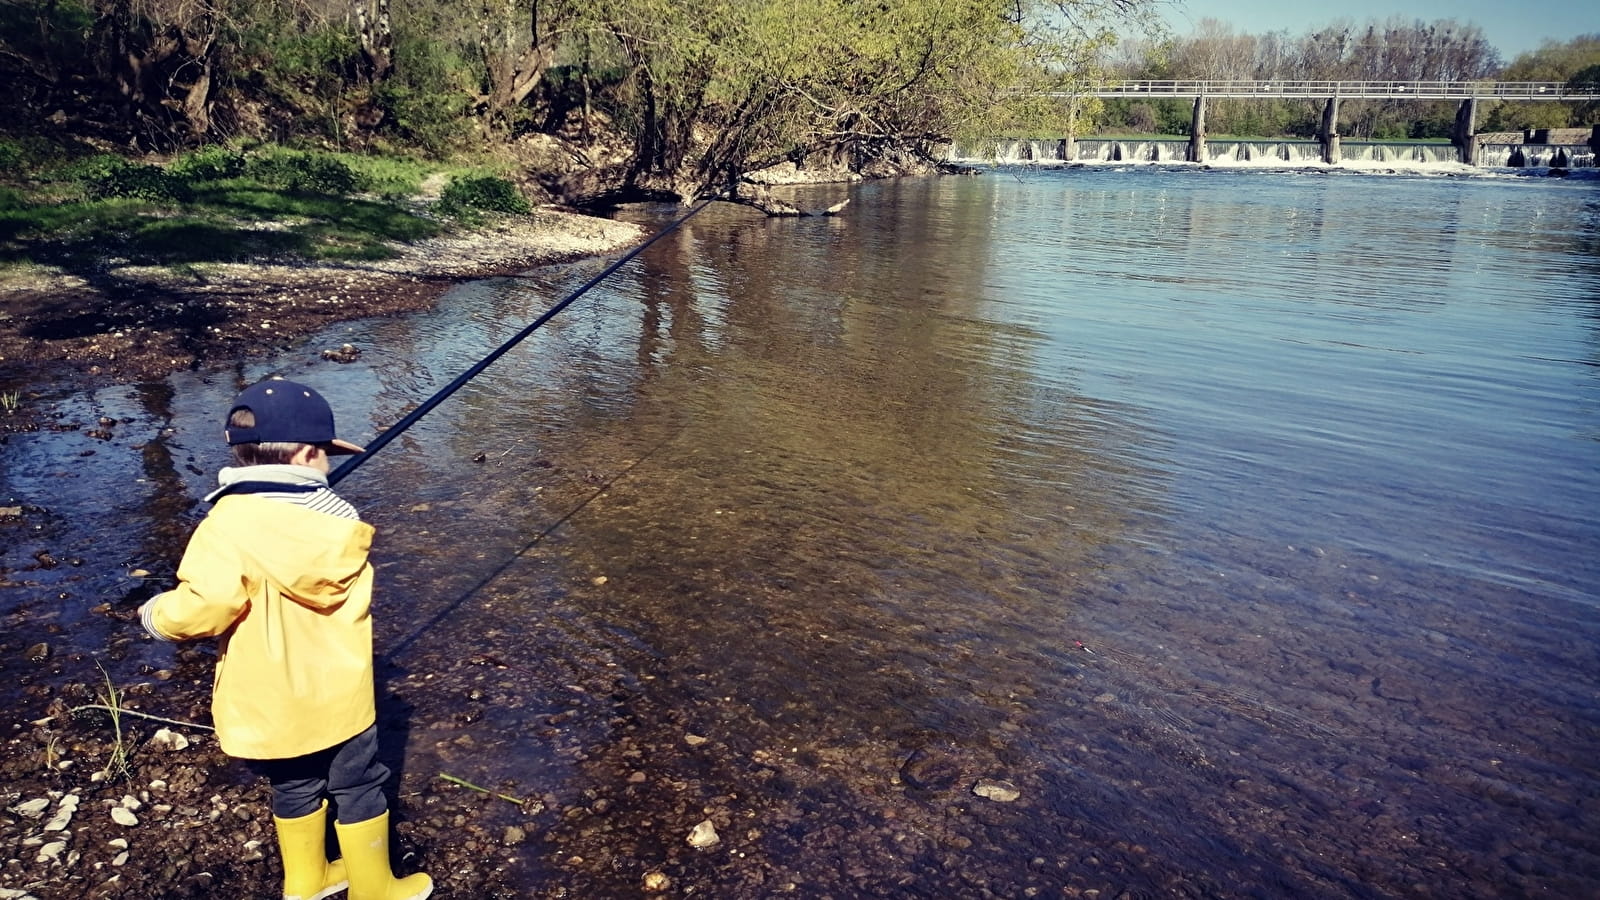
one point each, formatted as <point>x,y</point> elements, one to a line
<point>1267,152</point>
<point>1462,135</point>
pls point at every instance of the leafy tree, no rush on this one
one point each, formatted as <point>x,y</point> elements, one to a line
<point>719,87</point>
<point>1559,62</point>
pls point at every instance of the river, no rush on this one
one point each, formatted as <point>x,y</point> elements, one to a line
<point>1236,532</point>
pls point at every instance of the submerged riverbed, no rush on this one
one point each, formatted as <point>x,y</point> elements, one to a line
<point>1146,532</point>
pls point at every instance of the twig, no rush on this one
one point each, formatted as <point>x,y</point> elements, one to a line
<point>129,712</point>
<point>482,790</point>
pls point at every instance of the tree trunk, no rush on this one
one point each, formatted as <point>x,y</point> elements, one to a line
<point>377,40</point>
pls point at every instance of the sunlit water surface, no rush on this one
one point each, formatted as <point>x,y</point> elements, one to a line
<point>1245,523</point>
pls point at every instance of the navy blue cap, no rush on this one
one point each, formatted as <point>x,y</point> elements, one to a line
<point>286,412</point>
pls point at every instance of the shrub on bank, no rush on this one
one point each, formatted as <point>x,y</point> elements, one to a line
<point>483,192</point>
<point>108,177</point>
<point>293,170</point>
<point>209,164</point>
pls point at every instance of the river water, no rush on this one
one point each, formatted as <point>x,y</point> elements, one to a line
<point>1244,523</point>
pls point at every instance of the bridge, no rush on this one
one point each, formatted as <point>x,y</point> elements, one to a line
<point>1468,93</point>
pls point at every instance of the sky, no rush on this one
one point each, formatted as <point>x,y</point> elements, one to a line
<point>1511,26</point>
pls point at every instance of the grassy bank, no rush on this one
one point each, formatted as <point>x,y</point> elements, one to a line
<point>230,205</point>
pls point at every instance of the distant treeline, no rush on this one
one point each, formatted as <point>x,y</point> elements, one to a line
<point>1394,50</point>
<point>674,97</point>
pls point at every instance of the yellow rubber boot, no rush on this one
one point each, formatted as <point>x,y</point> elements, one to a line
<point>307,874</point>
<point>366,860</point>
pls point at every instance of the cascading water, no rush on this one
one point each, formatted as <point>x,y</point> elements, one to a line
<point>1264,153</point>
<point>1574,156</point>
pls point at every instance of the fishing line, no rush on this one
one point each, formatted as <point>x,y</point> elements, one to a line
<point>394,431</point>
<point>537,539</point>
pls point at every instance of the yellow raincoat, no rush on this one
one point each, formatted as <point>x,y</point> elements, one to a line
<point>289,591</point>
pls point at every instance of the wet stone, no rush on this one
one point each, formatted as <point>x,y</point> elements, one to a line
<point>704,835</point>
<point>932,769</point>
<point>999,791</point>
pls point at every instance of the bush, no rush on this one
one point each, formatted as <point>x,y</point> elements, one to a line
<point>306,172</point>
<point>209,164</point>
<point>485,192</point>
<point>106,177</point>
<point>13,156</point>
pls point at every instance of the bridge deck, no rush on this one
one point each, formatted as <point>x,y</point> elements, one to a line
<point>1349,90</point>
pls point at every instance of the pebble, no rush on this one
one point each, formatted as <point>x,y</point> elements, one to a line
<point>50,851</point>
<point>123,817</point>
<point>513,836</point>
<point>694,740</point>
<point>704,835</point>
<point>346,353</point>
<point>69,805</point>
<point>999,791</point>
<point>656,882</point>
<point>31,809</point>
<point>167,739</point>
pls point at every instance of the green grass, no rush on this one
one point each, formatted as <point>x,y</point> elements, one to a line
<point>271,205</point>
<point>121,750</point>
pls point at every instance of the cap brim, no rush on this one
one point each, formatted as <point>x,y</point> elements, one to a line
<point>337,447</point>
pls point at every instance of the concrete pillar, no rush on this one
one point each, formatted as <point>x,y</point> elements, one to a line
<point>1464,133</point>
<point>1329,133</point>
<point>1069,148</point>
<point>1197,131</point>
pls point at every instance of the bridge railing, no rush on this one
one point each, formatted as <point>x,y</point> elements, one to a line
<point>1352,90</point>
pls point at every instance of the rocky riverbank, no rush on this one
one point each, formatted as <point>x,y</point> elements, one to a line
<point>98,803</point>
<point>129,323</point>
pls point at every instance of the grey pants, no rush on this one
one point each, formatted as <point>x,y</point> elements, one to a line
<point>349,773</point>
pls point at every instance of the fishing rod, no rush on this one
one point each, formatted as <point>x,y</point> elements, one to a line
<point>394,431</point>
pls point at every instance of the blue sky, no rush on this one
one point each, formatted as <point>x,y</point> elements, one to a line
<point>1512,26</point>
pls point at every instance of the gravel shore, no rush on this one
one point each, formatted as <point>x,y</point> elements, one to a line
<point>129,323</point>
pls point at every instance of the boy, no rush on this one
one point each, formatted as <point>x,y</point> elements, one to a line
<point>278,570</point>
